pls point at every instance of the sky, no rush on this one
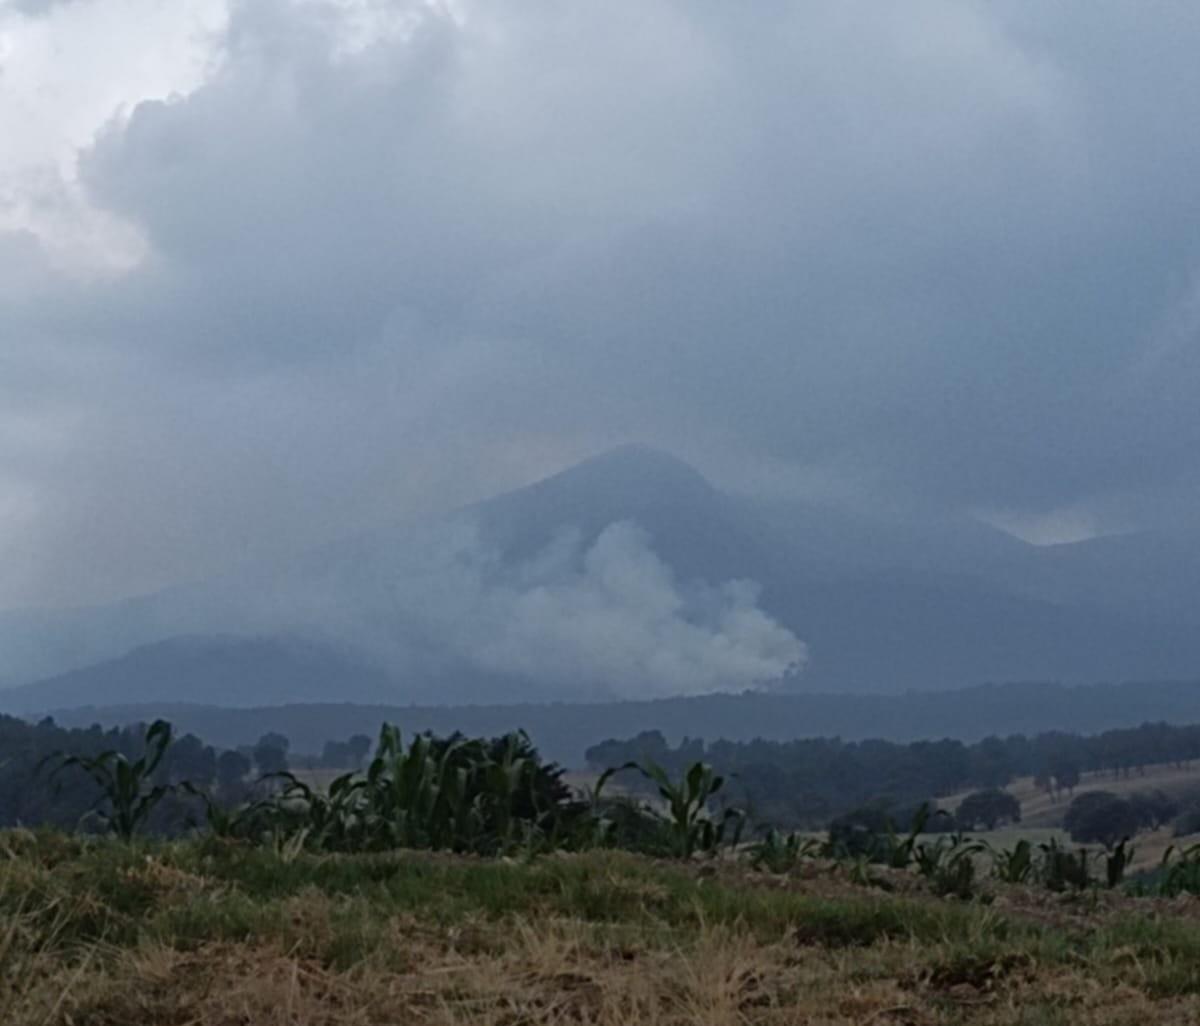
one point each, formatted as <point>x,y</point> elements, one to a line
<point>272,271</point>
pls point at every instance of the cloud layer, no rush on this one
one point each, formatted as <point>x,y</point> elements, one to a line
<point>395,256</point>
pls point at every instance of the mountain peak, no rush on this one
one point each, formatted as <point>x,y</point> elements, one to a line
<point>634,466</point>
<point>659,492</point>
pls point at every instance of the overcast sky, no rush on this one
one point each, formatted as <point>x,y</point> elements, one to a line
<point>274,270</point>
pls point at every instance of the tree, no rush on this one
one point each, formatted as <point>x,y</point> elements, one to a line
<point>192,760</point>
<point>274,740</point>
<point>991,765</point>
<point>991,808</point>
<point>270,754</point>
<point>1100,817</point>
<point>358,746</point>
<point>346,754</point>
<point>1066,775</point>
<point>1154,808</point>
<point>232,768</point>
<point>335,755</point>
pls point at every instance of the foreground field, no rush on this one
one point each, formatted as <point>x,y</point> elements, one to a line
<point>195,933</point>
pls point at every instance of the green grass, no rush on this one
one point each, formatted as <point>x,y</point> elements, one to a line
<point>118,891</point>
<point>99,909</point>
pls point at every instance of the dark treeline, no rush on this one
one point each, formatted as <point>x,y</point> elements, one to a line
<point>809,782</point>
<point>564,731</point>
<point>34,792</point>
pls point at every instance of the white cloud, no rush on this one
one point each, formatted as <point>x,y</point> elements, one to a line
<point>69,68</point>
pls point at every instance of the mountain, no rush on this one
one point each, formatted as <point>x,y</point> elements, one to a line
<point>700,531</point>
<point>614,579</point>
<point>1152,574</point>
<point>216,670</point>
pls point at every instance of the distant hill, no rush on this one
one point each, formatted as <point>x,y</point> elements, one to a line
<point>531,596</point>
<point>564,731</point>
<point>224,671</point>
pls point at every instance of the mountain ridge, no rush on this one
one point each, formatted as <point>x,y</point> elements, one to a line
<point>881,604</point>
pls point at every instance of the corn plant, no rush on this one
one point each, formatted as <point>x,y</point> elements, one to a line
<point>1013,865</point>
<point>223,821</point>
<point>329,819</point>
<point>605,819</point>
<point>506,778</point>
<point>459,794</point>
<point>128,794</point>
<point>625,822</point>
<point>1061,870</point>
<point>859,871</point>
<point>781,853</point>
<point>948,863</point>
<point>417,797</point>
<point>454,793</point>
<point>218,818</point>
<point>901,852</point>
<point>691,827</point>
<point>1179,871</point>
<point>956,876</point>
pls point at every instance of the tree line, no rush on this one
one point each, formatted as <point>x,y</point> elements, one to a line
<point>33,792</point>
<point>809,782</point>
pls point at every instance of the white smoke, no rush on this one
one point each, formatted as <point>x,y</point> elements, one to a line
<point>622,623</point>
<point>578,620</point>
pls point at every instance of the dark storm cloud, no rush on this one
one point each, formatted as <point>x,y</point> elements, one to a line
<point>947,250</point>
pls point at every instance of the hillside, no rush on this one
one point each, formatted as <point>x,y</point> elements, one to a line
<point>1040,808</point>
<point>95,933</point>
<point>627,576</point>
<point>1042,811</point>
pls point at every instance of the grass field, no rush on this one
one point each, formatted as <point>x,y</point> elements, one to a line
<point>1042,809</point>
<point>1042,812</point>
<point>209,934</point>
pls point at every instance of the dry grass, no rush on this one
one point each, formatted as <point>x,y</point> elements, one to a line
<point>192,935</point>
<point>1043,810</point>
<point>560,972</point>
